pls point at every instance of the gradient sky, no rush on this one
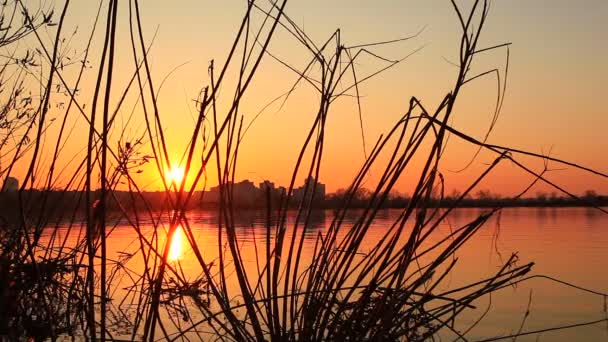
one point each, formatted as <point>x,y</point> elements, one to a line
<point>554,99</point>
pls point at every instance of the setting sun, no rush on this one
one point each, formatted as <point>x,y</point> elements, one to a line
<point>175,175</point>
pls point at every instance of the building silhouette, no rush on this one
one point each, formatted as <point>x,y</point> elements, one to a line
<point>267,185</point>
<point>246,194</point>
<point>243,193</point>
<point>311,189</point>
<point>11,184</point>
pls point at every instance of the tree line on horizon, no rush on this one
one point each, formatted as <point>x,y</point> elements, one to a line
<point>362,198</point>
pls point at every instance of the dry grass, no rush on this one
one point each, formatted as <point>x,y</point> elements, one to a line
<point>344,293</point>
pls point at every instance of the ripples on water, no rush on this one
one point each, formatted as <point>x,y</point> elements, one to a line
<point>566,243</point>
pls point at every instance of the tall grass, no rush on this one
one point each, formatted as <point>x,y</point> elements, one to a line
<point>394,291</point>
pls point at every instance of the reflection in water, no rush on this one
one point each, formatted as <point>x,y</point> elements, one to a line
<point>176,251</point>
<point>565,243</point>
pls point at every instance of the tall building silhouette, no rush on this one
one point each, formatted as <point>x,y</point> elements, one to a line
<point>11,184</point>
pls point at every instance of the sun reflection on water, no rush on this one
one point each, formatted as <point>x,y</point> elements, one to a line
<point>176,250</point>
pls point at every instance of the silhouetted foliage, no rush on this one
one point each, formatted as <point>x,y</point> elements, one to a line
<point>68,284</point>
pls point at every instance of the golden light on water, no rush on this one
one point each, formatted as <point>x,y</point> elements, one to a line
<point>176,250</point>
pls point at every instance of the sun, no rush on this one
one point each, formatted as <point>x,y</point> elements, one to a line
<point>176,175</point>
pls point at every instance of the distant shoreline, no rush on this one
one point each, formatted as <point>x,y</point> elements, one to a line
<point>74,201</point>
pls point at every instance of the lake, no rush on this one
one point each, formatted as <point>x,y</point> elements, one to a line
<point>570,244</point>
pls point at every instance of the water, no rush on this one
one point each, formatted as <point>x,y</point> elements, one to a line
<point>570,244</point>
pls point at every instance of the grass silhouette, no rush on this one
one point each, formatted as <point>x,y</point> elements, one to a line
<point>58,287</point>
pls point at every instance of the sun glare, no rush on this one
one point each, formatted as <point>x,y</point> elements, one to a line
<point>176,175</point>
<point>176,250</point>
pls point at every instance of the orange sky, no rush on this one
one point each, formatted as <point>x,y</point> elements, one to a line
<point>557,76</point>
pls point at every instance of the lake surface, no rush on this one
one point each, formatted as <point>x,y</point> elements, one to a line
<point>570,244</point>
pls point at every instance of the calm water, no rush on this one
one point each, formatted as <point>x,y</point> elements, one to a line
<point>566,243</point>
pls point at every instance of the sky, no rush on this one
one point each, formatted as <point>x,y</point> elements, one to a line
<point>554,97</point>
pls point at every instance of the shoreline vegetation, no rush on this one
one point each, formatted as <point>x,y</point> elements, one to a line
<point>56,283</point>
<point>209,200</point>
